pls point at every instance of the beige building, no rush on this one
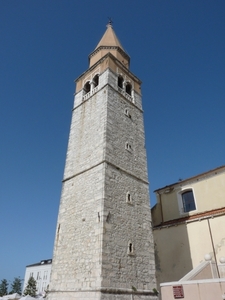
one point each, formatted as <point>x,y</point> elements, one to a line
<point>188,223</point>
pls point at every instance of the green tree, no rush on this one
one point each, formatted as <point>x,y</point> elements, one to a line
<point>3,287</point>
<point>16,286</point>
<point>31,287</point>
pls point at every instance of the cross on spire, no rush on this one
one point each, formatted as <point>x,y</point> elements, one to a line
<point>110,21</point>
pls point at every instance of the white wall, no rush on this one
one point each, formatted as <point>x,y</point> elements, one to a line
<point>41,273</point>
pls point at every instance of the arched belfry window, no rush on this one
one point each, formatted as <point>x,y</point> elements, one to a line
<point>128,88</point>
<point>120,81</point>
<point>87,87</point>
<point>96,80</point>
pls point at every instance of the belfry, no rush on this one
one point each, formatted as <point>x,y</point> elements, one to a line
<point>103,245</point>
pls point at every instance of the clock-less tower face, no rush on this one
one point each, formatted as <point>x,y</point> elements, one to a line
<point>103,246</point>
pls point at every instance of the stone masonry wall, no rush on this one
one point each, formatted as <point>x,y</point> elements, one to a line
<point>126,172</point>
<point>87,134</point>
<point>123,129</point>
<point>77,250</point>
<point>127,222</point>
<point>106,162</point>
<point>77,253</point>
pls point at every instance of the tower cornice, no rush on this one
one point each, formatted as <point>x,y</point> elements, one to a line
<point>104,161</point>
<point>117,61</point>
<point>112,48</point>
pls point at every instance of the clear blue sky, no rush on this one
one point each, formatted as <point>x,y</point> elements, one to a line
<point>177,49</point>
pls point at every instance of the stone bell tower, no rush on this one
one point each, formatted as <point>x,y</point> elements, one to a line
<point>103,245</point>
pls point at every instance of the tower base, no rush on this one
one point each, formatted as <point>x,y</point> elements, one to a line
<point>102,294</point>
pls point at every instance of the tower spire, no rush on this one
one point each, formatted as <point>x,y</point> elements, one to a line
<point>109,38</point>
<point>109,43</point>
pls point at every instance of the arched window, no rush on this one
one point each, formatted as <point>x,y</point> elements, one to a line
<point>96,80</point>
<point>188,201</point>
<point>87,87</point>
<point>120,81</point>
<point>128,88</point>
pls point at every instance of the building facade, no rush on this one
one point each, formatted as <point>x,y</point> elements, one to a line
<point>188,222</point>
<point>104,243</point>
<point>41,273</point>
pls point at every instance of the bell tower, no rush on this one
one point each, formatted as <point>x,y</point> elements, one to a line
<point>103,244</point>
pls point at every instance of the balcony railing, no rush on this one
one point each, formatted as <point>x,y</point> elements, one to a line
<point>126,95</point>
<point>89,94</point>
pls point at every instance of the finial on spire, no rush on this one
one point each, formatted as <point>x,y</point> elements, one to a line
<point>110,22</point>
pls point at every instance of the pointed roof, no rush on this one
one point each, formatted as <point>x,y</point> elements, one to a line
<point>109,38</point>
<point>109,43</point>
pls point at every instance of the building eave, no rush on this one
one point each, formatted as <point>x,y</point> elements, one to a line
<point>41,263</point>
<point>196,177</point>
<point>125,55</point>
<point>117,61</point>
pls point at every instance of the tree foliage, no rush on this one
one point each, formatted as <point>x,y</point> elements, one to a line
<point>31,287</point>
<point>3,287</point>
<point>16,286</point>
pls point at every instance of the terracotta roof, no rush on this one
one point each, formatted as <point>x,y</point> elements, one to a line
<point>203,215</point>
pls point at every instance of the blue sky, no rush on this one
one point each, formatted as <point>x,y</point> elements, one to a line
<point>177,49</point>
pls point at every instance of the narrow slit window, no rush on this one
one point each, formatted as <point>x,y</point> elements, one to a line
<point>108,217</point>
<point>130,248</point>
<point>127,113</point>
<point>128,198</point>
<point>128,146</point>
